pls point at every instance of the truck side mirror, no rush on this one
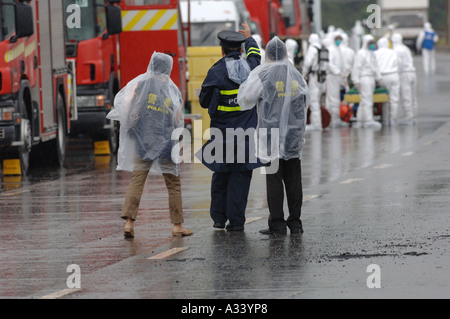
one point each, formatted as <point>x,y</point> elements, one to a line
<point>113,19</point>
<point>24,20</point>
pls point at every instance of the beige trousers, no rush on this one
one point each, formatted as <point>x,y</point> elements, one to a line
<point>136,189</point>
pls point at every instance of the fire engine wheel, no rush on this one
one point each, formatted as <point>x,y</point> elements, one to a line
<point>114,138</point>
<point>110,135</point>
<point>25,148</point>
<point>59,144</point>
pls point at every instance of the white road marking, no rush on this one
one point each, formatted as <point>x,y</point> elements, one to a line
<point>169,253</point>
<point>407,154</point>
<point>351,180</point>
<point>310,197</point>
<point>60,294</point>
<point>383,166</point>
<point>15,193</point>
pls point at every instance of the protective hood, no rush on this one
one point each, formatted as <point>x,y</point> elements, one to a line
<point>276,50</point>
<point>160,63</point>
<point>428,27</point>
<point>314,39</point>
<point>149,109</point>
<point>291,47</point>
<point>366,39</point>
<point>238,70</point>
<point>397,39</point>
<point>383,43</point>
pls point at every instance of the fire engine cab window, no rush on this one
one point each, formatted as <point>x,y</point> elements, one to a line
<point>205,34</point>
<point>146,2</point>
<point>8,22</point>
<point>92,19</point>
<point>289,13</point>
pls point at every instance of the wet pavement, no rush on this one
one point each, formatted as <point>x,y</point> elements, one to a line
<point>371,198</point>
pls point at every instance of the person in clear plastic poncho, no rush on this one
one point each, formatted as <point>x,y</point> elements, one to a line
<point>281,96</point>
<point>150,109</point>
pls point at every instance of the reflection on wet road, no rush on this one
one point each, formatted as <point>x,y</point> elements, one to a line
<point>370,197</point>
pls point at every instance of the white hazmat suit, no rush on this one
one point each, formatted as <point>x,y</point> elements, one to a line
<point>426,42</point>
<point>408,79</point>
<point>388,65</point>
<point>336,78</point>
<point>258,40</point>
<point>150,109</point>
<point>357,35</point>
<point>365,73</point>
<point>291,47</point>
<point>281,95</point>
<point>310,69</point>
<point>349,54</point>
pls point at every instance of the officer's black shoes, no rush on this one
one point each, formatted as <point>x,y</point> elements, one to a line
<point>219,226</point>
<point>229,227</point>
<point>273,232</point>
<point>235,228</point>
<point>298,231</point>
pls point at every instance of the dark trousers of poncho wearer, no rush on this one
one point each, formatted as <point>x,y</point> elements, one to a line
<point>289,177</point>
<point>229,197</point>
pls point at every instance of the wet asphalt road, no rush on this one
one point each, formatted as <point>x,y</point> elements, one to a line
<point>371,198</point>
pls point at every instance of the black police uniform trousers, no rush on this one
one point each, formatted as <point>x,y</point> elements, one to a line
<point>289,174</point>
<point>229,197</point>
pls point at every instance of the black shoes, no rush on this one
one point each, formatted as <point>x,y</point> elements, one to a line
<point>219,226</point>
<point>273,232</point>
<point>298,231</point>
<point>228,227</point>
<point>235,228</point>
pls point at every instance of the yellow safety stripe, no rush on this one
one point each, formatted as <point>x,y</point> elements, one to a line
<point>254,51</point>
<point>229,92</point>
<point>229,108</point>
<point>14,53</point>
<point>149,20</point>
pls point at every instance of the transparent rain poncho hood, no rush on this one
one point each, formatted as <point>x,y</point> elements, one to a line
<point>282,96</point>
<point>149,109</point>
<point>238,70</point>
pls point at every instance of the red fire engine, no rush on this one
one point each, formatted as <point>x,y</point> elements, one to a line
<point>93,46</point>
<point>282,18</point>
<point>150,26</point>
<point>266,14</point>
<point>33,82</point>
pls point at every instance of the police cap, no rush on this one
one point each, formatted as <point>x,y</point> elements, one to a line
<point>231,39</point>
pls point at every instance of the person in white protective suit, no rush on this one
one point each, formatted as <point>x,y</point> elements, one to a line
<point>365,74</point>
<point>309,71</point>
<point>408,80</point>
<point>388,65</point>
<point>258,40</point>
<point>426,41</point>
<point>357,35</point>
<point>349,56</point>
<point>282,96</point>
<point>331,30</point>
<point>336,79</point>
<point>291,47</point>
<point>150,109</point>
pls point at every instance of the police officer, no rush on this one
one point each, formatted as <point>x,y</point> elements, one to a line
<point>232,175</point>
